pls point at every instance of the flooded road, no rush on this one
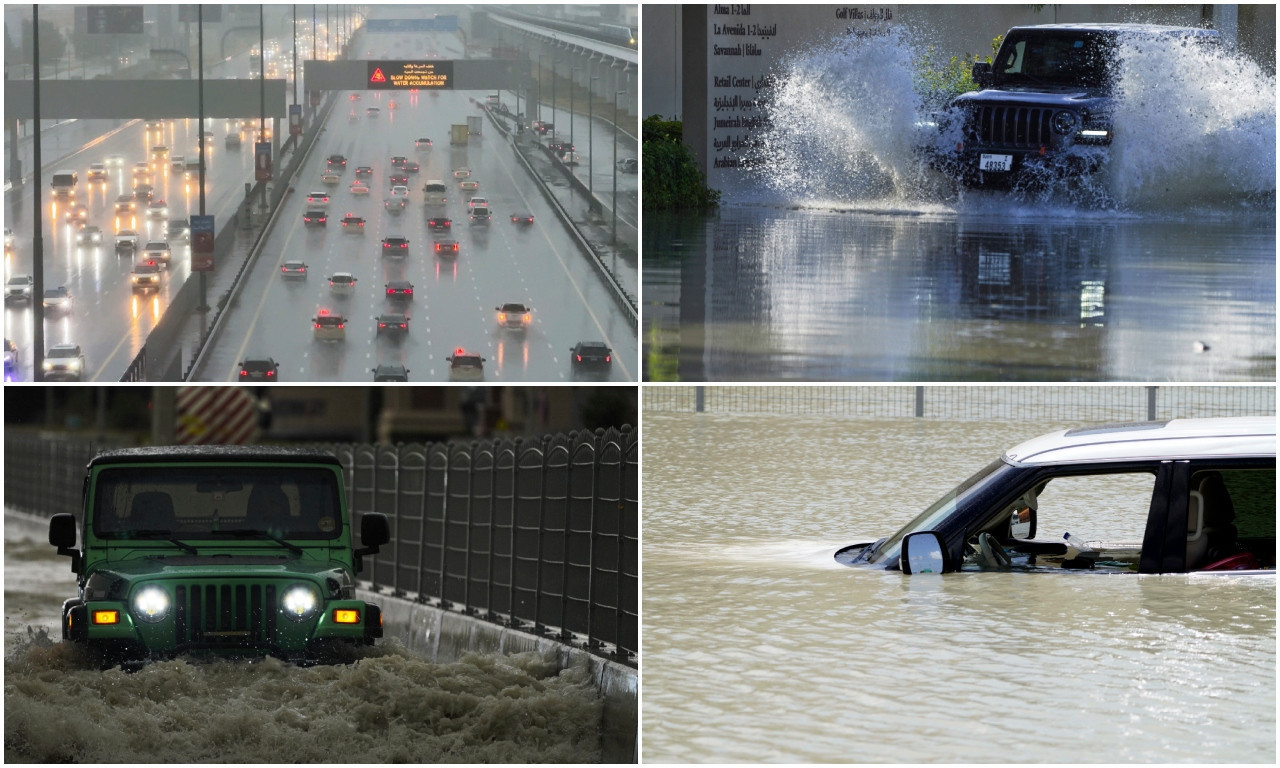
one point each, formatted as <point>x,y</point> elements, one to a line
<point>984,291</point>
<point>760,648</point>
<point>841,253</point>
<point>389,707</point>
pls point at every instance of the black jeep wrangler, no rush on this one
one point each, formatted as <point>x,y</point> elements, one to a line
<point>1045,109</point>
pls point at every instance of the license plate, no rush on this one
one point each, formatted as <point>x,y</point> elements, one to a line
<point>995,163</point>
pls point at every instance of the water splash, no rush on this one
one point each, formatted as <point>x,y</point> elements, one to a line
<point>388,707</point>
<point>1198,125</point>
<point>1196,130</point>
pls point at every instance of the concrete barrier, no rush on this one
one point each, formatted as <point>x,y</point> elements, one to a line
<point>442,636</point>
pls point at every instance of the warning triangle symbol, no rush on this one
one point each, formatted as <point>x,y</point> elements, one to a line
<point>377,76</point>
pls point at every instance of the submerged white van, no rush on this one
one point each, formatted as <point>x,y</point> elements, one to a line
<point>1178,496</point>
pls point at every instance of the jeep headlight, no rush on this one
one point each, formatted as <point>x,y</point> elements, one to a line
<point>151,604</point>
<point>300,603</point>
<point>1064,123</point>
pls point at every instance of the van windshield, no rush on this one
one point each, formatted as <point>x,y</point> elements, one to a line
<point>213,501</point>
<point>928,519</point>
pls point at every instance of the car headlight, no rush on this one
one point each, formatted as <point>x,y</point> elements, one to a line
<point>300,603</point>
<point>151,604</point>
<point>48,365</point>
<point>1064,123</point>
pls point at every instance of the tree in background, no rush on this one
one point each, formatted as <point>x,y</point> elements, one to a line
<point>672,179</point>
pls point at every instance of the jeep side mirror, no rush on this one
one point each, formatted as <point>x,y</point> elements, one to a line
<point>62,534</point>
<point>923,552</point>
<point>374,532</point>
<point>981,73</point>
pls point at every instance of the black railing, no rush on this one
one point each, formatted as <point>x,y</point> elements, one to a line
<point>540,535</point>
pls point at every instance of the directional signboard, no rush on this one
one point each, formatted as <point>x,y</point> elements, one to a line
<point>402,75</point>
<point>114,19</point>
<point>262,161</point>
<point>201,243</point>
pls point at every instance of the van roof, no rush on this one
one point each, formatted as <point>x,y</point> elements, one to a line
<point>1175,439</point>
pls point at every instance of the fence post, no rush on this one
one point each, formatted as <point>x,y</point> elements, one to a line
<point>1151,403</point>
<point>699,399</point>
<point>919,402</point>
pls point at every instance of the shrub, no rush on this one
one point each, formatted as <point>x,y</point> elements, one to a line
<point>672,180</point>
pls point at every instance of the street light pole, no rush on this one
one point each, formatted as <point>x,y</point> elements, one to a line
<point>572,82</point>
<point>204,283</point>
<point>591,155</point>
<point>541,75</point>
<point>554,62</point>
<point>613,204</point>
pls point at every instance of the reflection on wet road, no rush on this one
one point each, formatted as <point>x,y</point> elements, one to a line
<point>1003,294</point>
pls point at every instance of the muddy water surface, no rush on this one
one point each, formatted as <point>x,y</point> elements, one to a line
<point>758,647</point>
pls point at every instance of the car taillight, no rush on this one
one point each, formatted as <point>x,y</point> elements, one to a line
<point>404,245</point>
<point>608,358</point>
<point>244,373</point>
<point>579,357</point>
<point>271,373</point>
<point>382,325</point>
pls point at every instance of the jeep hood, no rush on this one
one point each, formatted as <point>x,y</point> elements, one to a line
<point>1040,96</point>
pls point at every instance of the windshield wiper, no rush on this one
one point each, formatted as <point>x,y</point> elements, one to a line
<point>247,532</point>
<point>167,535</point>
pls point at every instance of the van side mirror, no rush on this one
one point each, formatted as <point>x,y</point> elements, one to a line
<point>1022,523</point>
<point>62,534</point>
<point>923,552</point>
<point>981,73</point>
<point>374,532</point>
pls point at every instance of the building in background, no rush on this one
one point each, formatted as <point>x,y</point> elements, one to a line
<point>210,414</point>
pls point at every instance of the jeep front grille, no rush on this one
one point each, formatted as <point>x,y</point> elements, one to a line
<point>225,615</point>
<point>1014,127</point>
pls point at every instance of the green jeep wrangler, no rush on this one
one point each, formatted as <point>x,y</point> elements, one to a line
<point>219,550</point>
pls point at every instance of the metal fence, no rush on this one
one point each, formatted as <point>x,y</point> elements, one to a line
<point>1080,403</point>
<point>541,535</point>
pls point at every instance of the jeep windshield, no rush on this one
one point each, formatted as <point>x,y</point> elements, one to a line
<point>1055,58</point>
<point>217,502</point>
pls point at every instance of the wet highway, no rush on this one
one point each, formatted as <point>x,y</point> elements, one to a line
<point>106,318</point>
<point>455,295</point>
<point>455,299</point>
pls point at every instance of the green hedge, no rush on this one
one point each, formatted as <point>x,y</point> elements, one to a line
<point>672,180</point>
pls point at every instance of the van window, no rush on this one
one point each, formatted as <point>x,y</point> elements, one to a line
<point>434,186</point>
<point>64,179</point>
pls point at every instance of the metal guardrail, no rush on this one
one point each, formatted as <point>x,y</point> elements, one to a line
<point>1042,403</point>
<point>622,298</point>
<point>275,193</point>
<point>540,535</point>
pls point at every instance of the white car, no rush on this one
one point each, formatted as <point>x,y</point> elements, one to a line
<point>318,198</point>
<point>359,188</point>
<point>19,288</point>
<point>342,284</point>
<point>400,191</point>
<point>64,362</point>
<point>157,250</point>
<point>461,173</point>
<point>331,179</point>
<point>478,201</point>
